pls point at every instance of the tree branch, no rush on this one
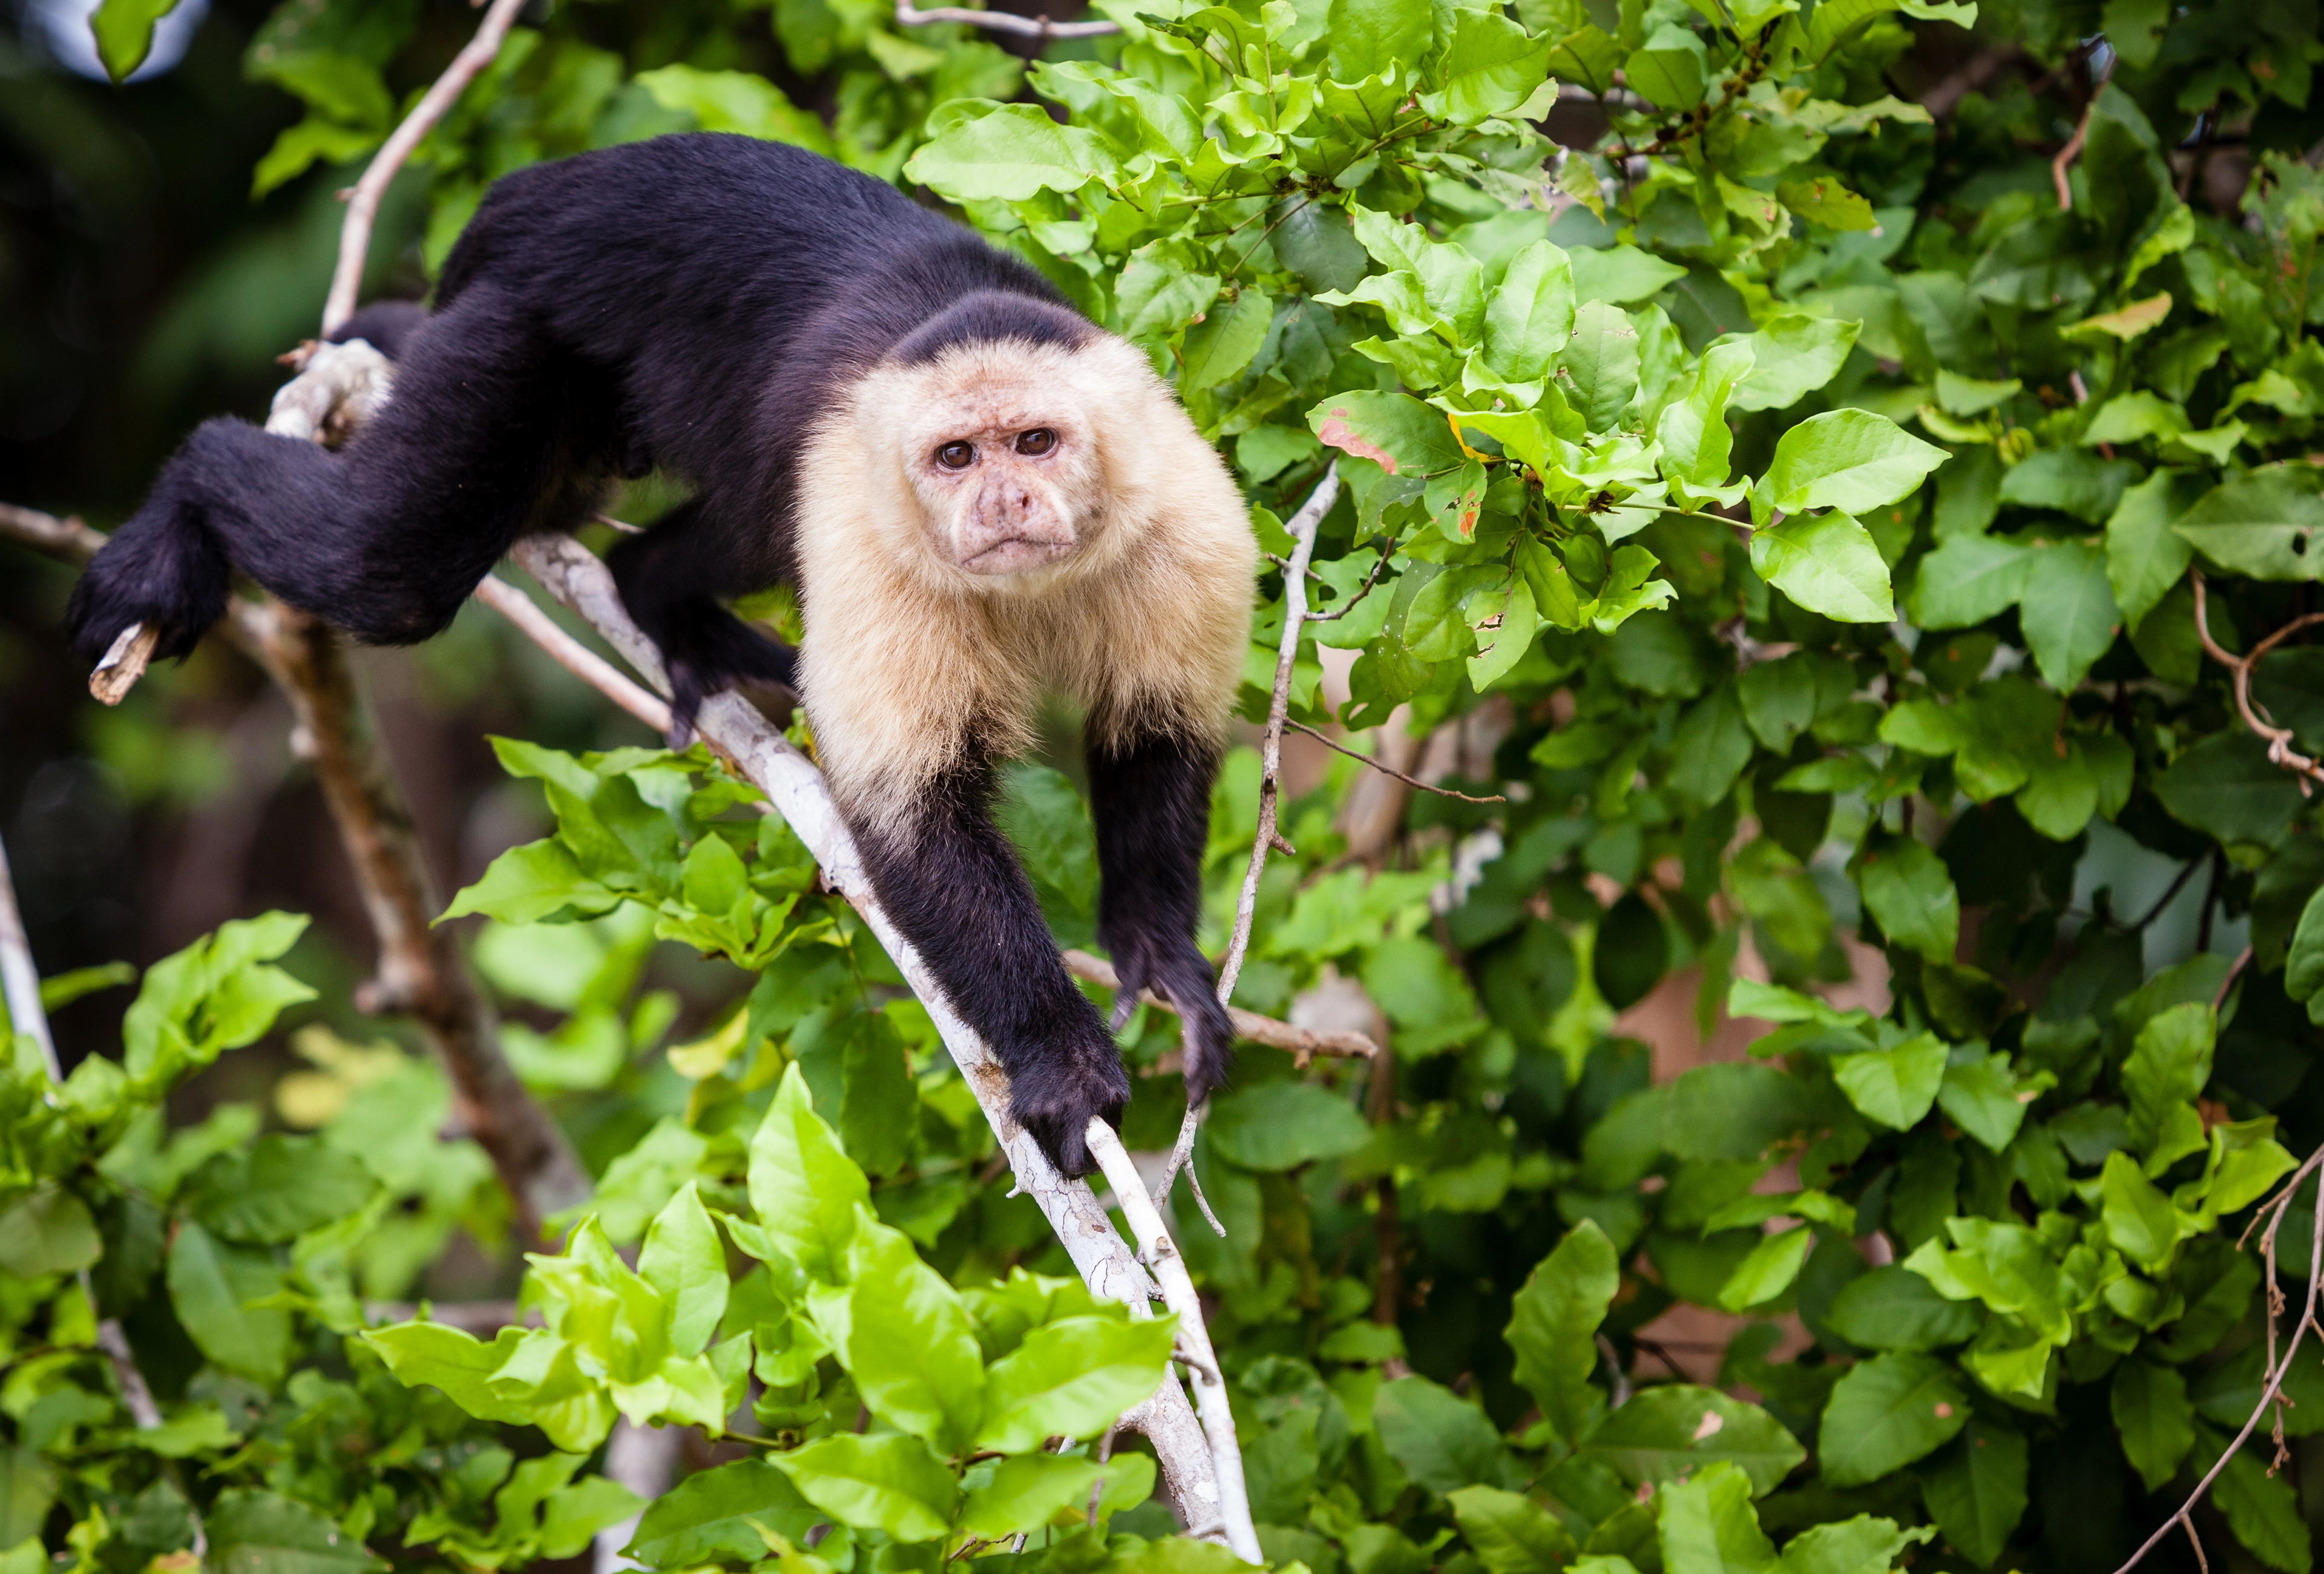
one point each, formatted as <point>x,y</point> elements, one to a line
<point>1041,27</point>
<point>364,199</point>
<point>2278,738</point>
<point>1304,1042</point>
<point>795,790</point>
<point>1390,770</point>
<point>20,981</point>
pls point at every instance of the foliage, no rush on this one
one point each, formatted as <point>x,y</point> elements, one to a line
<point>1782,695</point>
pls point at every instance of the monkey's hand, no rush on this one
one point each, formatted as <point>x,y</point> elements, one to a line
<point>1177,970</point>
<point>1055,1090</point>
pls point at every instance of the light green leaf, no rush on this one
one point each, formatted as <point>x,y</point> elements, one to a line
<point>1281,1126</point>
<point>1667,1433</point>
<point>1969,579</point>
<point>47,1230</point>
<point>908,1343</point>
<point>1598,368</point>
<point>707,1517</point>
<point>804,1187</point>
<point>1695,438</point>
<point>1027,1492</point>
<point>737,101</point>
<point>1768,1270</point>
<point>1621,275</point>
<point>1072,1377</point>
<point>2139,1218</point>
<point>1981,1095</point>
<point>1220,347</point>
<point>258,1533</point>
<point>1401,434</point>
<point>977,150</point>
<point>123,31</point>
<point>1827,563</point>
<point>1529,317</point>
<point>1848,459</point>
<point>893,1483</point>
<point>1707,1526</point>
<point>1895,1087</point>
<point>1910,891</point>
<point>527,883</point>
<point>684,1259</point>
<point>1793,355</point>
<point>1511,1533</point>
<point>1865,1544</point>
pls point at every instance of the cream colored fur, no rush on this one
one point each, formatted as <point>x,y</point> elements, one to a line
<point>908,659</point>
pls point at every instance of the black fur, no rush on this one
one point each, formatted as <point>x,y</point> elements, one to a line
<point>692,303</point>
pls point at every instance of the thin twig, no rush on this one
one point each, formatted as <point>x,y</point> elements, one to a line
<point>2235,971</point>
<point>908,15</point>
<point>1304,1043</point>
<point>20,981</point>
<point>2279,738</point>
<point>2073,148</point>
<point>1182,1158</point>
<point>1362,590</point>
<point>2274,1210</point>
<point>1161,1254</point>
<point>571,654</point>
<point>1390,770</point>
<point>1302,526</point>
<point>363,198</point>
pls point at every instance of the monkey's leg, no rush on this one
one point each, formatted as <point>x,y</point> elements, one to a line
<point>1152,799</point>
<point>670,578</point>
<point>953,886</point>
<point>385,539</point>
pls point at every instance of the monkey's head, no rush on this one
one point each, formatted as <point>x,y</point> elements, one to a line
<point>1004,462</point>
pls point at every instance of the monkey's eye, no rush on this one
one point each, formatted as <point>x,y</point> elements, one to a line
<point>1037,442</point>
<point>956,456</point>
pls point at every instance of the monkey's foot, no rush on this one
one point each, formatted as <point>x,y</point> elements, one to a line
<point>1053,1096</point>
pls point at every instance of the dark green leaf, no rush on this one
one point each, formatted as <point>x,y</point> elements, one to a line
<point>1886,1413</point>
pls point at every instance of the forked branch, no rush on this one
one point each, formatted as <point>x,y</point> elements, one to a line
<point>2239,668</point>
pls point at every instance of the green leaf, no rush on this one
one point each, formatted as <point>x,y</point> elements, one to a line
<point>1970,396</point>
<point>2261,524</point>
<point>1895,1087</point>
<point>278,1188</point>
<point>1281,1126</point>
<point>1827,203</point>
<point>529,883</point>
<point>804,1187</point>
<point>2139,1218</point>
<point>684,1262</point>
<point>2225,786</point>
<point>1668,1432</point>
<point>1862,1545</point>
<point>1707,1526</point>
<point>1849,459</point>
<point>2169,1066</point>
<point>1220,347</point>
<point>1886,1413</point>
<point>2153,1418</point>
<point>2263,1510</point>
<point>1598,366</point>
<point>2303,964</point>
<point>1510,1533</point>
<point>1708,750</point>
<point>123,31</point>
<point>28,1486</point>
<point>1975,1489</point>
<point>892,1483</point>
<point>47,1230</point>
<point>1491,67</point>
<point>706,1517</point>
<point>1695,438</point>
<point>1768,1270</point>
<point>1621,275</point>
<point>979,150</point>
<point>258,1533</point>
<point>1529,317</point>
<point>210,1285</point>
<point>1072,1377</point>
<point>737,101</point>
<point>1369,36</point>
<point>2145,556</point>
<point>1553,1321</point>
<point>1444,1442</point>
<point>1910,891</point>
<point>1967,579</point>
<point>1827,563</point>
<point>1397,431</point>
<point>1793,355</point>
<point>1894,1309</point>
<point>1027,1491</point>
<point>1981,1095</point>
<point>2068,613</point>
<point>908,1343</point>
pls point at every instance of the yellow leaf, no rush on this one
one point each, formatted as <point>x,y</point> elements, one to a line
<point>2127,323</point>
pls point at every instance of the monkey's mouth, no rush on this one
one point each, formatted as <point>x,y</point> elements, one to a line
<point>1017,555</point>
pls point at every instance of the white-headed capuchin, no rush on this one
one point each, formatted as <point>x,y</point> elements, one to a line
<point>978,494</point>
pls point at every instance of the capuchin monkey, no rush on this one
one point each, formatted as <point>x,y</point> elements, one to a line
<point>978,494</point>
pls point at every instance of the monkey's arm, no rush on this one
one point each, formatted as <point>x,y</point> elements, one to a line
<point>953,886</point>
<point>1151,798</point>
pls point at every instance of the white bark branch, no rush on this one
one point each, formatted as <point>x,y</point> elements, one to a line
<point>20,981</point>
<point>363,201</point>
<point>910,16</point>
<point>795,790</point>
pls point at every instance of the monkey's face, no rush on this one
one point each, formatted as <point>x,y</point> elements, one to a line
<point>1007,475</point>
